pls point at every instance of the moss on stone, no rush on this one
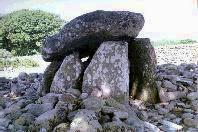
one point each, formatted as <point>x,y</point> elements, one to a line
<point>142,65</point>
<point>49,75</point>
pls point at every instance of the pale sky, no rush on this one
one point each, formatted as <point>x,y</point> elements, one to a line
<point>164,18</point>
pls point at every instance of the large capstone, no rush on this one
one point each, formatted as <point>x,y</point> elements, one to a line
<point>85,33</point>
<point>68,75</point>
<point>142,67</point>
<point>108,73</point>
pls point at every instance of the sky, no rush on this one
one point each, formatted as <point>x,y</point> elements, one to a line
<point>165,19</point>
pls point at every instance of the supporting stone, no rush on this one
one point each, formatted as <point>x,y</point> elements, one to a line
<point>68,74</point>
<point>108,73</point>
<point>48,76</point>
<point>142,67</point>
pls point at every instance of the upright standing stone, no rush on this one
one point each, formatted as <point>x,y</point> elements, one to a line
<point>68,74</point>
<point>108,73</point>
<point>48,76</point>
<point>142,67</point>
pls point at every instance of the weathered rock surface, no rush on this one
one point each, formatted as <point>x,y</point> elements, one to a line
<point>142,67</point>
<point>87,32</point>
<point>85,121</point>
<point>67,75</point>
<point>108,73</point>
<point>48,76</point>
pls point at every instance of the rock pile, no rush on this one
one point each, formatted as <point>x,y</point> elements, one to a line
<point>178,110</point>
<point>101,93</point>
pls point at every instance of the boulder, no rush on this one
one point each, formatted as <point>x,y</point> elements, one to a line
<point>117,126</point>
<point>85,33</point>
<point>85,121</point>
<point>38,109</point>
<point>48,76</point>
<point>142,70</point>
<point>63,127</point>
<point>67,75</point>
<point>50,119</point>
<point>108,73</point>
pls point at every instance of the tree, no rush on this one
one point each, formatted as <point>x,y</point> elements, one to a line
<point>22,31</point>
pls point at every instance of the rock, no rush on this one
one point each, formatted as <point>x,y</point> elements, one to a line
<point>138,125</point>
<point>71,115</point>
<point>4,122</point>
<point>73,91</point>
<point>23,76</point>
<point>150,127</point>
<point>65,106</point>
<point>49,119</point>
<point>4,83</point>
<point>191,122</point>
<point>142,115</point>
<point>85,33</point>
<point>63,127</point>
<point>192,96</point>
<point>187,115</point>
<point>108,110</point>
<point>125,108</point>
<point>48,76</point>
<point>85,121</point>
<point>194,105</point>
<point>169,86</point>
<point>142,67</point>
<point>93,103</point>
<point>169,126</point>
<point>67,75</point>
<point>49,98</point>
<point>108,73</point>
<point>83,96</point>
<point>38,109</point>
<point>25,119</point>
<point>13,115</point>
<point>117,126</point>
<point>68,98</point>
<point>168,96</point>
<point>121,115</point>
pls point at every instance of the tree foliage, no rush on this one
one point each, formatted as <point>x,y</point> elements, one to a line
<point>21,32</point>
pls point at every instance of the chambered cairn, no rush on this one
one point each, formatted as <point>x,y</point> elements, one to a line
<point>93,95</point>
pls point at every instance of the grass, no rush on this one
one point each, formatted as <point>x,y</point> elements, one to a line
<point>15,63</point>
<point>173,42</point>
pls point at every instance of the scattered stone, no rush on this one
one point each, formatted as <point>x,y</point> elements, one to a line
<point>93,103</point>
<point>169,126</point>
<point>121,115</point>
<point>85,121</point>
<point>117,126</point>
<point>192,96</point>
<point>38,109</point>
<point>168,85</point>
<point>150,127</point>
<point>191,122</point>
<point>49,119</point>
<point>83,96</point>
<point>63,127</point>
<point>4,122</point>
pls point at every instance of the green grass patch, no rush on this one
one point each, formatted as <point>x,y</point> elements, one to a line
<point>173,42</point>
<point>16,62</point>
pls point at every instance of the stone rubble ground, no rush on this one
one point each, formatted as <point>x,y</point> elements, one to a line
<point>22,107</point>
